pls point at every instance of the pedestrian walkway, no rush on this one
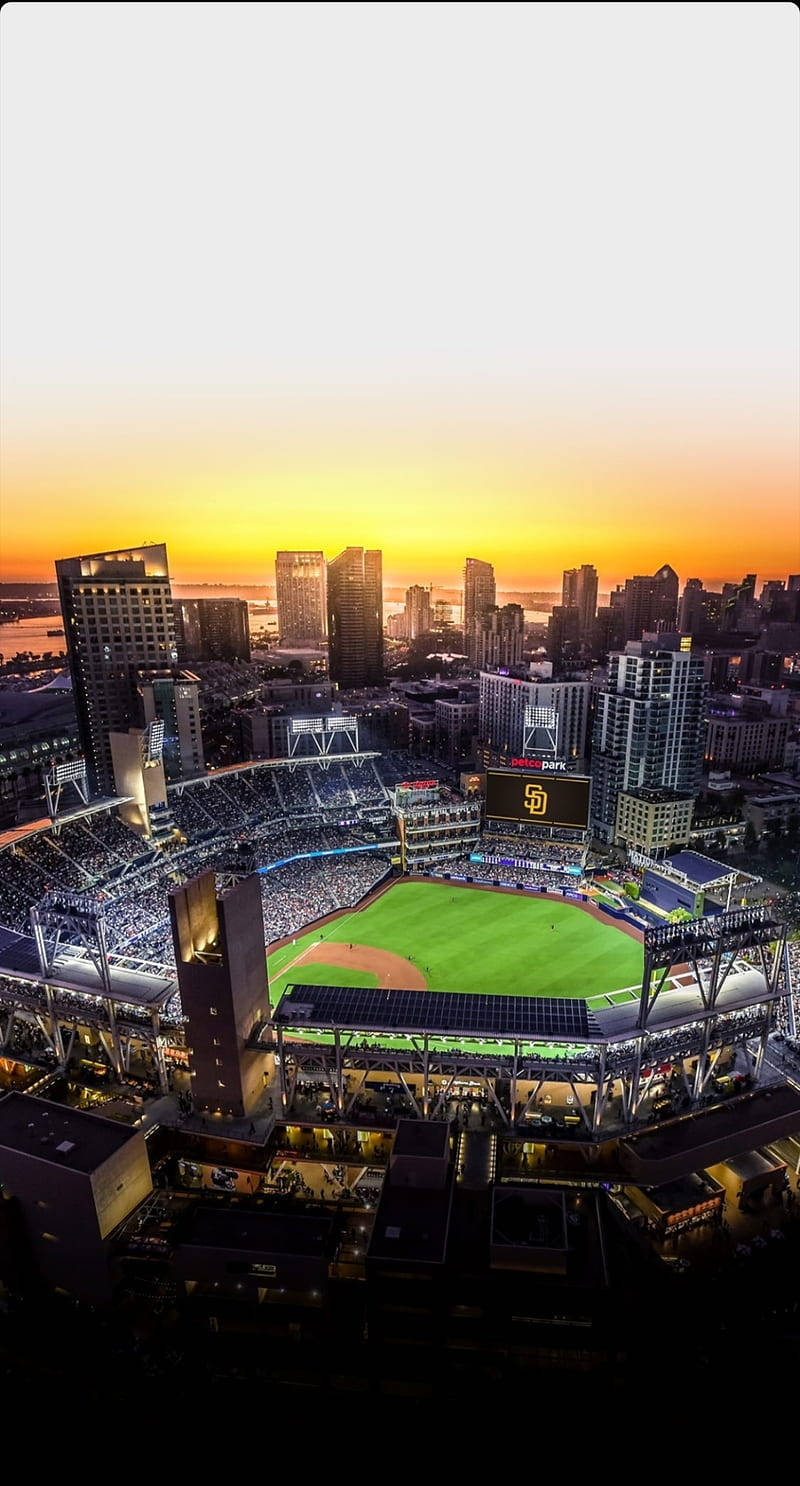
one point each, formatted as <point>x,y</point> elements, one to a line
<point>477,1157</point>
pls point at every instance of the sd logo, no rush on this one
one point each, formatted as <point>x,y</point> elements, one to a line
<point>535,799</point>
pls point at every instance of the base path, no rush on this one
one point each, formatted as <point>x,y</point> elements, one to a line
<point>393,972</point>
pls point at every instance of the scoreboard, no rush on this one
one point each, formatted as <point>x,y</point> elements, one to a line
<point>542,799</point>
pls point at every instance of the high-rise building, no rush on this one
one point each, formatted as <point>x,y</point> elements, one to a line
<point>173,699</point>
<point>609,625</point>
<point>649,728</point>
<point>480,592</point>
<point>744,736</point>
<point>222,977</point>
<point>300,590</point>
<point>739,608</point>
<point>118,621</point>
<point>772,592</point>
<point>511,709</point>
<point>700,609</point>
<point>579,591</point>
<point>355,618</point>
<point>498,637</point>
<point>455,723</point>
<point>651,603</point>
<point>397,626</point>
<point>418,611</point>
<point>564,636</point>
<point>760,668</point>
<point>212,629</point>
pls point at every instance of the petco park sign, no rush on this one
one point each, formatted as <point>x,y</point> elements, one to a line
<point>548,766</point>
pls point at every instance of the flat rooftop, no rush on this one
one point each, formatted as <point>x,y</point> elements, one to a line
<point>752,1163</point>
<point>422,1138</point>
<point>504,1018</point>
<point>529,1218</point>
<point>61,1136</point>
<point>699,869</point>
<point>685,1191</point>
<point>411,1224</point>
<point>257,1232</point>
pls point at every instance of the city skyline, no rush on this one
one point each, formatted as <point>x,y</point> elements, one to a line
<point>475,333</point>
<point>399,703</point>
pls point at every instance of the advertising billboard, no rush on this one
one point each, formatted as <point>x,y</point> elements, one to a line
<point>544,801</point>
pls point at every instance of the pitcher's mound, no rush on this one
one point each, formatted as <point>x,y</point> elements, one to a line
<point>393,972</point>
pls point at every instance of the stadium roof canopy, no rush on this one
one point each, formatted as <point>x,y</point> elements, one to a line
<point>699,871</point>
<point>17,834</point>
<point>75,972</point>
<point>443,1013</point>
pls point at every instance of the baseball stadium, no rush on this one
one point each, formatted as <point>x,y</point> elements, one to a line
<point>438,942</point>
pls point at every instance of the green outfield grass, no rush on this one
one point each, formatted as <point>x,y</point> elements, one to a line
<point>465,939</point>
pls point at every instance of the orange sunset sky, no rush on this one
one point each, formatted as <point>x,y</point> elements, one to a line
<point>512,281</point>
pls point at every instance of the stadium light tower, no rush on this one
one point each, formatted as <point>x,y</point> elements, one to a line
<point>540,733</point>
<point>58,777</point>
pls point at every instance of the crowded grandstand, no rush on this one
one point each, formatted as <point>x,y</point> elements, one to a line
<point>322,837</point>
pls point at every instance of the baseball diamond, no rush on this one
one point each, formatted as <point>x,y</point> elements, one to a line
<point>445,936</point>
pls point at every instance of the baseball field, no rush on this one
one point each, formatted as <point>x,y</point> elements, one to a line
<point>448,937</point>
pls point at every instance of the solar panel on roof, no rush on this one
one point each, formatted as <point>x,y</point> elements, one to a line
<point>365,1008</point>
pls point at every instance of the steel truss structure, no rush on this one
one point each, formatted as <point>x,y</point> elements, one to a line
<point>619,1079</point>
<point>58,998</point>
<point>717,941</point>
<point>59,1018</point>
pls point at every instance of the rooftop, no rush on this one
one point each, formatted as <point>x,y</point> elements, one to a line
<point>257,1232</point>
<point>411,1224</point>
<point>530,1218</point>
<point>416,1138</point>
<point>699,869</point>
<point>752,1163</point>
<point>64,1137</point>
<point>444,1012</point>
<point>685,1192</point>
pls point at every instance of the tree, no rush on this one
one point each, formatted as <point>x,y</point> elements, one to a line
<point>750,837</point>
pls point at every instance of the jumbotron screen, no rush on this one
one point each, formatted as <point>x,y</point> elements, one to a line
<point>546,799</point>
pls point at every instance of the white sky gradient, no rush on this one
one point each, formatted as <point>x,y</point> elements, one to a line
<point>432,200</point>
<point>398,234</point>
